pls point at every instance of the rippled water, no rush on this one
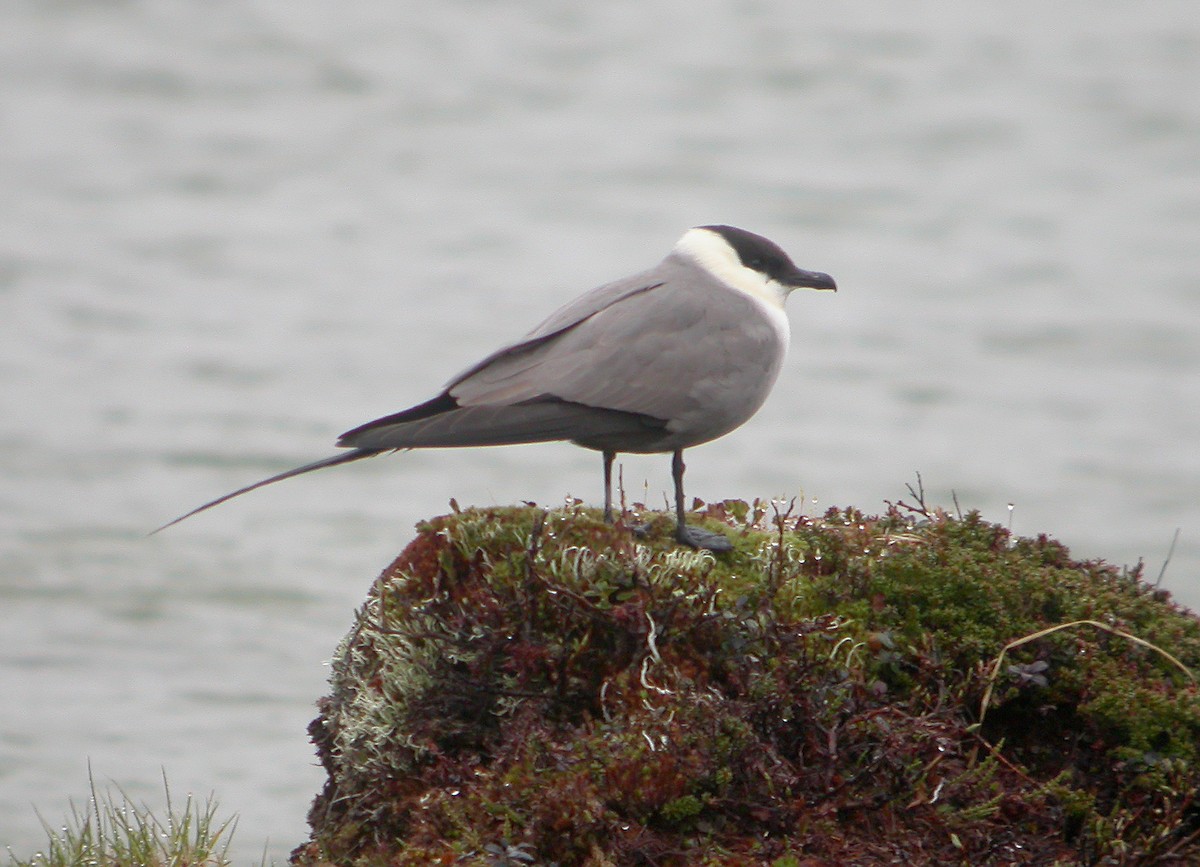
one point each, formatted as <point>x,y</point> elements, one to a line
<point>230,231</point>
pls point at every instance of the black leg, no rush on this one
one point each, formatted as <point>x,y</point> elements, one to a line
<point>692,536</point>
<point>677,468</point>
<point>608,462</point>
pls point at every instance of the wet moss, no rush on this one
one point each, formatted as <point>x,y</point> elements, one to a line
<point>525,686</point>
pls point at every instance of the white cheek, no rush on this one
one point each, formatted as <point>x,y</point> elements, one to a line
<point>766,293</point>
<point>711,252</point>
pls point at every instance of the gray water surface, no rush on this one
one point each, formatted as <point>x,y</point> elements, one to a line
<point>230,231</point>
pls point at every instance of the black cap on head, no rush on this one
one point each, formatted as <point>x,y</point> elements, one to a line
<point>764,255</point>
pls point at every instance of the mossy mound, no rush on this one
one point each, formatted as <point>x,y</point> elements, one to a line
<point>535,687</point>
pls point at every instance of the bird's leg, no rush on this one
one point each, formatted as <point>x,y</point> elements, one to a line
<point>608,462</point>
<point>677,468</point>
<point>692,536</point>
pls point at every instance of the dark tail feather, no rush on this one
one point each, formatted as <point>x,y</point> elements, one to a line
<point>356,455</point>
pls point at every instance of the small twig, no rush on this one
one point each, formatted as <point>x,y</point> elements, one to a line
<point>781,519</point>
<point>531,553</point>
<point>1170,552</point>
<point>535,543</point>
<point>1186,841</point>
<point>918,494</point>
<point>380,623</point>
<point>996,754</point>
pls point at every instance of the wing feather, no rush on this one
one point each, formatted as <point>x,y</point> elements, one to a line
<point>666,352</point>
<point>699,356</point>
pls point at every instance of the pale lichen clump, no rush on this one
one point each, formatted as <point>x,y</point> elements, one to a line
<point>377,672</point>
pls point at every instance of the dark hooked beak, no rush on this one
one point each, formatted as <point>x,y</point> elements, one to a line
<point>802,279</point>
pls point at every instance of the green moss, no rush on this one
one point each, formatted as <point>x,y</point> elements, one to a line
<point>682,809</point>
<point>549,686</point>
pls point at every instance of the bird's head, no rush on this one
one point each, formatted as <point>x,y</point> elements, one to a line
<point>748,262</point>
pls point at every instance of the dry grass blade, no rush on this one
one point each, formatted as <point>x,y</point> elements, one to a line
<point>1042,633</point>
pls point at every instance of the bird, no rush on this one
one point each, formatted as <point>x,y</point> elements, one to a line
<point>658,362</point>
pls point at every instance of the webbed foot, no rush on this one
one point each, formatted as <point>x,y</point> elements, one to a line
<point>703,539</point>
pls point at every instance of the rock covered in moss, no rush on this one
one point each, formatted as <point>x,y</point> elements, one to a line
<point>535,687</point>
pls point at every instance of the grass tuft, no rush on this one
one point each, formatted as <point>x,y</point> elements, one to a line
<point>115,831</point>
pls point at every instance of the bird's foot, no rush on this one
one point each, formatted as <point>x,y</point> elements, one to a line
<point>693,537</point>
<point>702,539</point>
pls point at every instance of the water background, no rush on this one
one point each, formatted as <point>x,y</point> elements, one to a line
<point>231,230</point>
